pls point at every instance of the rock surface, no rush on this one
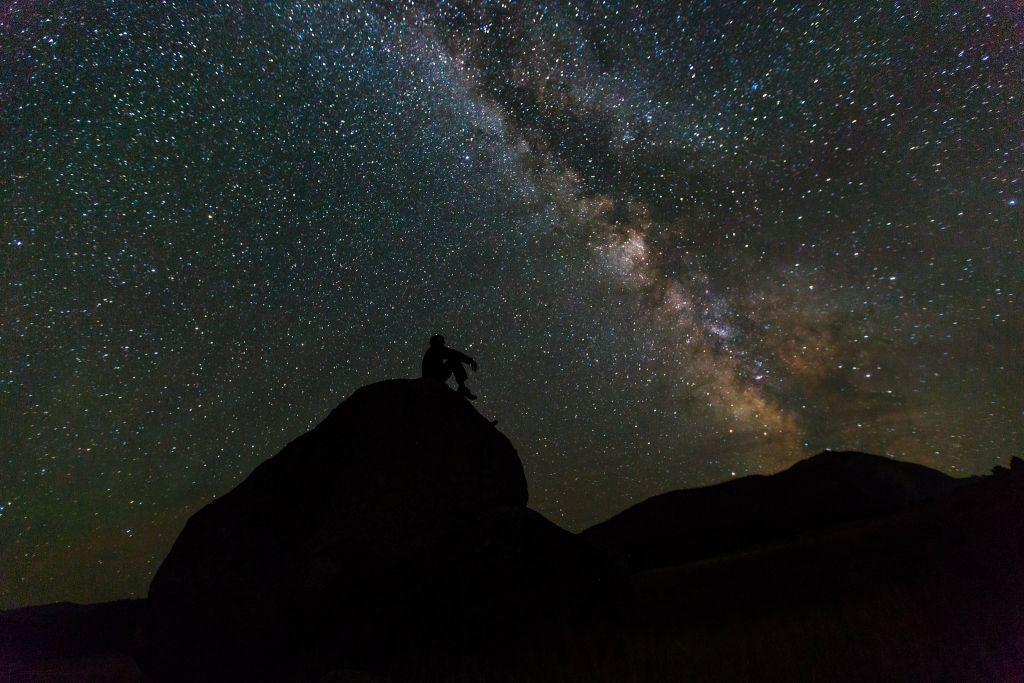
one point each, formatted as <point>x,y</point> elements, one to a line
<point>396,525</point>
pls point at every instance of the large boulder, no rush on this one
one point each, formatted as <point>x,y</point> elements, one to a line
<point>399,521</point>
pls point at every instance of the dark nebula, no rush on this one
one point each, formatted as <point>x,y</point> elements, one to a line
<point>686,241</point>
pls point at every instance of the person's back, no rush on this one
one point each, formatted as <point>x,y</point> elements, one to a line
<point>433,364</point>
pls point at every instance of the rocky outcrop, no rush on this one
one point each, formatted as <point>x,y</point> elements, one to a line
<point>397,525</point>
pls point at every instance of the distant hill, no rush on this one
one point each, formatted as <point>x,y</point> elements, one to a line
<point>830,488</point>
<point>932,592</point>
<point>70,642</point>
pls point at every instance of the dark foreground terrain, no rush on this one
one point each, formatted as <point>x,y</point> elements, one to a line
<point>427,566</point>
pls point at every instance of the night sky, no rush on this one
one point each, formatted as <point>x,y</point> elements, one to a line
<point>686,241</point>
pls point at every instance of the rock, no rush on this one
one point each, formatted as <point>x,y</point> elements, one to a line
<point>1014,470</point>
<point>512,565</point>
<point>397,521</point>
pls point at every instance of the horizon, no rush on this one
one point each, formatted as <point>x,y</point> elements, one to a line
<point>685,244</point>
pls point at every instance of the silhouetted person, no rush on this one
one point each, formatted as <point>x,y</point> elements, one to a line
<point>441,362</point>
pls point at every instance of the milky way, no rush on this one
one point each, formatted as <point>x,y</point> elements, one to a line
<point>686,242</point>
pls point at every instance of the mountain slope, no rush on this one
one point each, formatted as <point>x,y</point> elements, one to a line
<point>830,488</point>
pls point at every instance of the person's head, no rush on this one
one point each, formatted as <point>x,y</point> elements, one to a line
<point>437,341</point>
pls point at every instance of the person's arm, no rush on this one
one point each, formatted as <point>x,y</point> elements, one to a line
<point>461,357</point>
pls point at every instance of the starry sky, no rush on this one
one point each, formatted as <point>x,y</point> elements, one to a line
<point>685,240</point>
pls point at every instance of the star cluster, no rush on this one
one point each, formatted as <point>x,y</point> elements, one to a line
<point>686,241</point>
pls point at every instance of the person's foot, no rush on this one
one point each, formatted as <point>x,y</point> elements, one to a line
<point>463,391</point>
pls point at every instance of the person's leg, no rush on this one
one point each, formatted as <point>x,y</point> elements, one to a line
<point>460,377</point>
<point>459,371</point>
